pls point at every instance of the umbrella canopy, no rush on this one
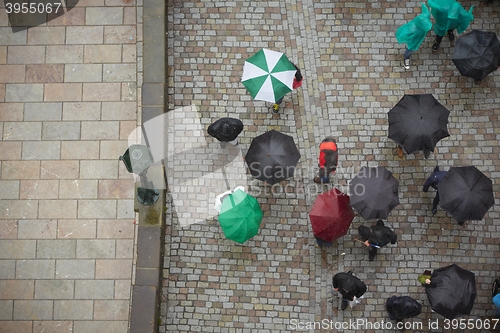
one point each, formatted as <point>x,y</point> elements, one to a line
<point>374,192</point>
<point>452,291</point>
<point>272,157</point>
<point>466,193</point>
<point>331,215</point>
<point>240,216</point>
<point>418,122</point>
<point>477,54</point>
<point>225,129</point>
<point>268,75</point>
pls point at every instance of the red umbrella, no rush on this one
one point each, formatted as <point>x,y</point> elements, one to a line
<point>331,215</point>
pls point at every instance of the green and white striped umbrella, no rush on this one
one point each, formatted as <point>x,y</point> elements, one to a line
<point>268,75</point>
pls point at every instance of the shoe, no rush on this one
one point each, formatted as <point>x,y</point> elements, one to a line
<point>451,36</point>
<point>317,180</point>
<point>400,151</point>
<point>276,108</point>
<point>344,304</point>
<point>407,63</point>
<point>435,46</point>
<point>371,258</point>
<point>434,211</point>
<point>349,272</point>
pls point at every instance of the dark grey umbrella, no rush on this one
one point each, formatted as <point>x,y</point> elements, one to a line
<point>374,192</point>
<point>418,122</point>
<point>452,291</point>
<point>477,54</point>
<point>466,193</point>
<point>272,157</point>
<point>225,129</point>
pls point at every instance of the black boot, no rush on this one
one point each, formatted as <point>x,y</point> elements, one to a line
<point>451,35</point>
<point>435,46</point>
<point>344,304</point>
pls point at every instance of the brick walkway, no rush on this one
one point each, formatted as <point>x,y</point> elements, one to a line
<point>353,76</point>
<point>68,93</point>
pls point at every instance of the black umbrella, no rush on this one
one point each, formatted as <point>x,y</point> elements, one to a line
<point>225,129</point>
<point>418,122</point>
<point>466,193</point>
<point>272,157</point>
<point>374,192</point>
<point>452,291</point>
<point>477,54</point>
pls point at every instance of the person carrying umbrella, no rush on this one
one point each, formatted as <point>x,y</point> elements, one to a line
<point>449,15</point>
<point>297,83</point>
<point>413,33</point>
<point>433,181</point>
<point>349,286</point>
<point>226,130</point>
<point>376,237</point>
<point>401,307</point>
<point>328,160</point>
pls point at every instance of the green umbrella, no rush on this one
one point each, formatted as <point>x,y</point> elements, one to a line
<point>240,216</point>
<point>268,75</point>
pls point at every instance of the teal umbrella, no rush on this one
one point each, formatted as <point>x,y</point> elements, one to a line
<point>268,75</point>
<point>240,216</point>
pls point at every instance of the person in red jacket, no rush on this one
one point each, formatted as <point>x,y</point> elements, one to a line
<point>297,83</point>
<point>328,159</point>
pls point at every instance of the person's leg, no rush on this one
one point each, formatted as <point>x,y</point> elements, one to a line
<point>234,142</point>
<point>437,42</point>
<point>407,56</point>
<point>276,105</point>
<point>435,203</point>
<point>451,35</point>
<point>372,252</point>
<point>222,144</point>
<point>344,304</point>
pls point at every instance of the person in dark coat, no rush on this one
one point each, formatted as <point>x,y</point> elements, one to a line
<point>226,130</point>
<point>376,236</point>
<point>433,181</point>
<point>348,286</point>
<point>328,159</point>
<point>401,307</point>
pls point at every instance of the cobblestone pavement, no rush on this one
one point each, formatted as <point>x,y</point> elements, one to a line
<point>68,101</point>
<point>353,73</point>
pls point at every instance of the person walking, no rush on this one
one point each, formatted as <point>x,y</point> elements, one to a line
<point>297,83</point>
<point>349,286</point>
<point>413,33</point>
<point>401,307</point>
<point>449,15</point>
<point>328,159</point>
<point>226,130</point>
<point>433,181</point>
<point>376,237</point>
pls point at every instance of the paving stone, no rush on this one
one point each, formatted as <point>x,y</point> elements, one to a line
<point>18,209</point>
<point>42,111</point>
<point>63,92</point>
<point>75,269</point>
<point>54,289</point>
<point>53,326</point>
<point>100,54</point>
<point>10,188</point>
<point>56,249</point>
<point>82,111</point>
<point>8,38</point>
<point>37,229</point>
<point>64,54</point>
<point>116,189</point>
<point>22,131</point>
<point>32,310</point>
<point>35,269</point>
<point>6,310</point>
<point>119,34</point>
<point>98,169</point>
<point>101,92</point>
<point>111,309</point>
<point>100,130</point>
<point>94,289</point>
<point>73,310</point>
<point>109,149</point>
<point>26,55</point>
<point>59,169</point>
<point>11,112</point>
<point>124,249</point>
<point>44,73</point>
<point>12,73</point>
<point>57,209</point>
<point>83,326</point>
<point>80,228</point>
<point>95,248</point>
<point>125,209</point>
<point>129,91</point>
<point>126,127</point>
<point>7,269</point>
<point>143,310</point>
<point>119,72</point>
<point>30,92</point>
<point>41,150</point>
<point>17,289</point>
<point>39,189</point>
<point>78,189</point>
<point>61,130</point>
<point>104,15</point>
<point>3,55</point>
<point>46,35</point>
<point>83,73</point>
<point>122,289</point>
<point>129,53</point>
<point>80,150</point>
<point>97,209</point>
<point>74,17</point>
<point>113,269</point>
<point>17,249</point>
<point>85,35</point>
